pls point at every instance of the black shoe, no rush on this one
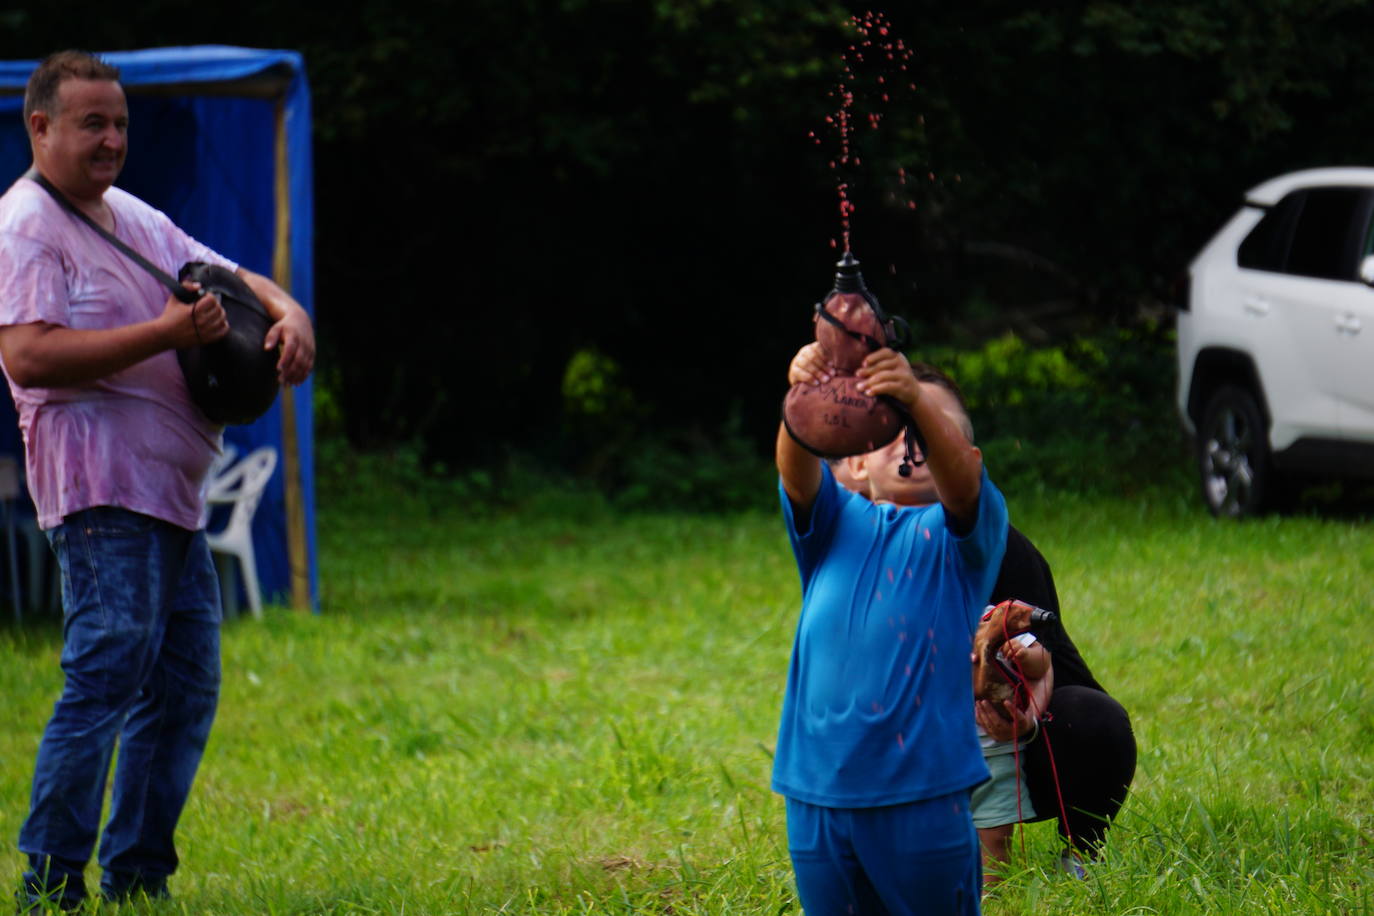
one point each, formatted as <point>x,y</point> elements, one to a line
<point>122,887</point>
<point>50,885</point>
<point>29,901</point>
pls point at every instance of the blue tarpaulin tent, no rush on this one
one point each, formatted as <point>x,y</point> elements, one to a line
<point>219,140</point>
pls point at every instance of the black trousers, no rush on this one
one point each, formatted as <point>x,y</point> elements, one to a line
<point>1092,749</point>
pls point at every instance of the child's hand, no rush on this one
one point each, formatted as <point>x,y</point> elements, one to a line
<point>1031,661</point>
<point>887,372</point>
<point>1003,723</point>
<point>810,367</point>
<point>1013,651</point>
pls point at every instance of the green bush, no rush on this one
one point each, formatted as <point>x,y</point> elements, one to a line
<point>397,482</point>
<point>720,471</point>
<point>687,470</point>
<point>1093,415</point>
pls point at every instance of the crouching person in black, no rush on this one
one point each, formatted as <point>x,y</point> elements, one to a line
<point>1085,737</point>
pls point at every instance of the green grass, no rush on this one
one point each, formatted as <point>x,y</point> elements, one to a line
<point>573,712</point>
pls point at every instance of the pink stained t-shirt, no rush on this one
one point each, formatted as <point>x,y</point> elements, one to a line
<point>132,439</point>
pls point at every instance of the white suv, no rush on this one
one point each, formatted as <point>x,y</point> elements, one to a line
<point>1276,341</point>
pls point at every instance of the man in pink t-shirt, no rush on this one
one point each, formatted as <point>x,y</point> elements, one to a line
<point>116,455</point>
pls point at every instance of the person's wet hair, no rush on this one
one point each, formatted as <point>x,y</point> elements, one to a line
<point>57,68</point>
<point>931,375</point>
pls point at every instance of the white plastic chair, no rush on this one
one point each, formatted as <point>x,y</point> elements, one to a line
<point>9,494</point>
<point>39,588</point>
<point>241,486</point>
<point>226,456</point>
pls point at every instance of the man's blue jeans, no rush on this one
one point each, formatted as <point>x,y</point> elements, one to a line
<point>141,658</point>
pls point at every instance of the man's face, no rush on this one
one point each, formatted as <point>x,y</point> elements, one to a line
<point>81,147</point>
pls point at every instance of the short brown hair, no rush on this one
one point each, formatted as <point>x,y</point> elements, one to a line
<point>53,70</point>
<point>931,375</point>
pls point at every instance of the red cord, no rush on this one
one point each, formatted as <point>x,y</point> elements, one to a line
<point>1026,702</point>
<point>1058,792</point>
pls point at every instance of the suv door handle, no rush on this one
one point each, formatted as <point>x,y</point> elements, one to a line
<point>1348,323</point>
<point>1254,305</point>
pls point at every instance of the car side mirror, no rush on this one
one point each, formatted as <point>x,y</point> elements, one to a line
<point>1367,270</point>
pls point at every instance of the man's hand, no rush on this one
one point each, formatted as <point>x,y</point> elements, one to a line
<point>292,330</point>
<point>42,355</point>
<point>1008,727</point>
<point>296,336</point>
<point>887,372</point>
<point>200,323</point>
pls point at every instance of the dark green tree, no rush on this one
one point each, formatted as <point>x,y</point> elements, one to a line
<point>507,188</point>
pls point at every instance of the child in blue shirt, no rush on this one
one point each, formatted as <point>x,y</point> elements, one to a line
<point>877,751</point>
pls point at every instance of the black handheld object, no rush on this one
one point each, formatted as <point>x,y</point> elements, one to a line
<point>233,380</point>
<point>835,418</point>
<point>184,295</point>
<point>1037,614</point>
<point>848,279</point>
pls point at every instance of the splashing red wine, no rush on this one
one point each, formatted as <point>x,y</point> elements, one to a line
<point>874,67</point>
<point>837,418</point>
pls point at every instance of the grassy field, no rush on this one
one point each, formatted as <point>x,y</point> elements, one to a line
<point>573,712</point>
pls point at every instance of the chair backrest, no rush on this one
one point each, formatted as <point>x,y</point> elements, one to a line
<point>10,487</point>
<point>226,456</point>
<point>242,484</point>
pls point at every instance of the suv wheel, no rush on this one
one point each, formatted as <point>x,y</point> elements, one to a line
<point>1233,454</point>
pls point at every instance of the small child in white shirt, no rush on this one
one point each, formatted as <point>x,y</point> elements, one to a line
<point>1003,801</point>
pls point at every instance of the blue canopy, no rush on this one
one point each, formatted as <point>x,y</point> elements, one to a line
<point>219,140</point>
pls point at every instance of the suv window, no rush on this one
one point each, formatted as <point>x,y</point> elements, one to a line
<point>1321,238</point>
<point>1313,232</point>
<point>1266,247</point>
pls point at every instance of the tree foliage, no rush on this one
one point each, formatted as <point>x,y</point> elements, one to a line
<point>503,185</point>
<point>1111,139</point>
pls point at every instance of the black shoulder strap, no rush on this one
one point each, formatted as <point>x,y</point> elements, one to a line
<point>166,279</point>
